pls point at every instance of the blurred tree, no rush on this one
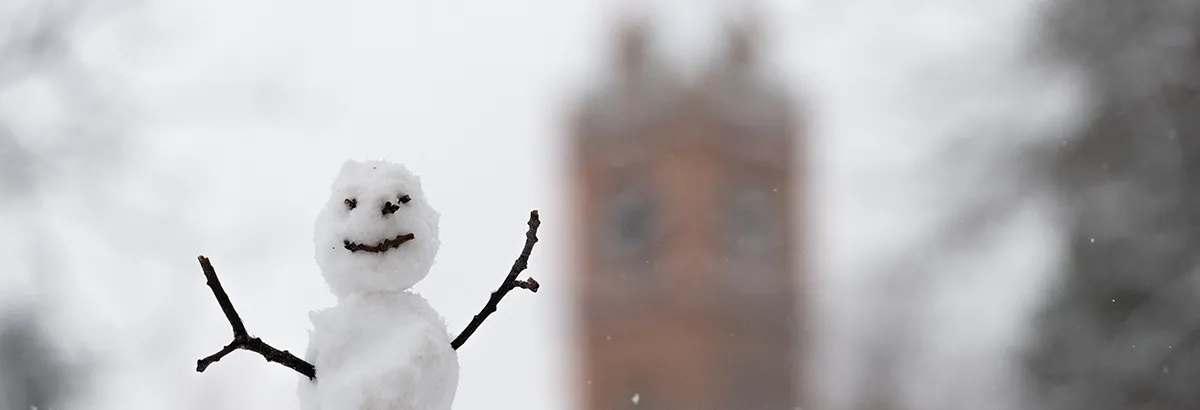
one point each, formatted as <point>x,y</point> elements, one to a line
<point>32,373</point>
<point>55,118</point>
<point>40,72</point>
<point>1123,331</point>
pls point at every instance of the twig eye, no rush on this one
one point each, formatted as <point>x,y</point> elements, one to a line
<point>351,203</point>
<point>404,199</point>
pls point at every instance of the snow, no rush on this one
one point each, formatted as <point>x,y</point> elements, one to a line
<point>364,364</point>
<point>371,185</point>
<point>381,346</point>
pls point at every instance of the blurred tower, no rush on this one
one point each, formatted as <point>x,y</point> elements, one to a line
<point>686,285</point>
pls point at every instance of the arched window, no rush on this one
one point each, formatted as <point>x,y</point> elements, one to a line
<point>631,226</point>
<point>752,234</point>
<point>748,223</point>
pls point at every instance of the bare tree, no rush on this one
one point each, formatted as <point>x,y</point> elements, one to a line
<point>1124,330</point>
<point>36,44</point>
<point>33,373</point>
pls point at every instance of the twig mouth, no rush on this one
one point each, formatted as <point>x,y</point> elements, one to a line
<point>383,246</point>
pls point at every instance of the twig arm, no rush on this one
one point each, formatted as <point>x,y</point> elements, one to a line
<point>241,338</point>
<point>510,283</point>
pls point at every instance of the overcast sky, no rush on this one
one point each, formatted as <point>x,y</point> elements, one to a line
<point>243,110</point>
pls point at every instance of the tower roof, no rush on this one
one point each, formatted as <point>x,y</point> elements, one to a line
<point>654,66</point>
<point>741,41</point>
<point>632,45</point>
<point>740,90</point>
<point>639,90</point>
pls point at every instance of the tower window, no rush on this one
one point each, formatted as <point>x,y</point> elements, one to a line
<point>631,224</point>
<point>749,224</point>
<point>752,233</point>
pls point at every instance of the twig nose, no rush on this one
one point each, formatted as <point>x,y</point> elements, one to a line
<point>390,208</point>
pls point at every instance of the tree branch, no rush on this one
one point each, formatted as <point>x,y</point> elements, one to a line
<point>242,339</point>
<point>510,283</point>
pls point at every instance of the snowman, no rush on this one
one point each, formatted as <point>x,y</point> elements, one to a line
<point>382,346</point>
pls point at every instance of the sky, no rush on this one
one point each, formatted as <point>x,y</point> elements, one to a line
<point>464,94</point>
<point>239,114</point>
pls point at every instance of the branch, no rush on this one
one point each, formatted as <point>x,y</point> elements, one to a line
<point>510,283</point>
<point>242,339</point>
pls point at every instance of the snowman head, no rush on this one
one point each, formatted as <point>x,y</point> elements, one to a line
<point>377,233</point>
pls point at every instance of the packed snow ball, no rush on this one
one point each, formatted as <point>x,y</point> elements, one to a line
<point>380,352</point>
<point>377,232</point>
<point>382,346</point>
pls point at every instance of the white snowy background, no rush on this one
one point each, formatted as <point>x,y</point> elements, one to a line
<point>234,116</point>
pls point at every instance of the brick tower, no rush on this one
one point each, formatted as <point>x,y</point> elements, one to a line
<point>686,295</point>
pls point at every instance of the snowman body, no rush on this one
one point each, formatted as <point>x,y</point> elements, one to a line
<point>382,346</point>
<point>407,364</point>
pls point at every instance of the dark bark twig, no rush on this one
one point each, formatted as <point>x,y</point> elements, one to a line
<point>510,283</point>
<point>242,339</point>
